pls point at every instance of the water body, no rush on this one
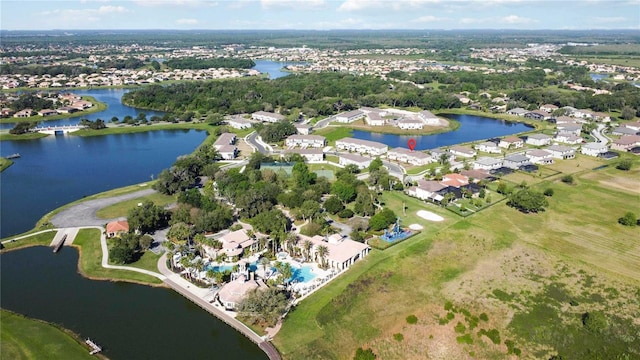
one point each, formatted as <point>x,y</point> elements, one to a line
<point>596,77</point>
<point>472,128</point>
<point>130,321</point>
<point>273,68</point>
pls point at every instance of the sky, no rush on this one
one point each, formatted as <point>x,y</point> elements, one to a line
<point>319,14</point>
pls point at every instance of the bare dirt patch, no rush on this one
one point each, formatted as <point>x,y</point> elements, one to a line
<point>626,183</point>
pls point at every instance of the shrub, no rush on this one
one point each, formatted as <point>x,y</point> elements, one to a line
<point>460,328</point>
<point>624,164</point>
<point>595,321</point>
<point>448,305</point>
<point>412,319</point>
<point>465,339</point>
<point>548,192</point>
<point>450,316</point>
<point>398,337</point>
<point>567,179</point>
<point>492,334</point>
<point>629,219</point>
<point>484,317</point>
<point>346,213</point>
<point>364,354</point>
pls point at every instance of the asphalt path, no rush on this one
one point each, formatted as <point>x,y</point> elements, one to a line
<point>251,139</point>
<point>84,213</point>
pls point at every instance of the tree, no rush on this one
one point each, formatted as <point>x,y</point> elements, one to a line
<point>528,200</point>
<point>364,202</point>
<point>567,179</point>
<point>346,192</point>
<point>364,354</point>
<point>147,217</point>
<point>263,307</point>
<point>624,164</point>
<point>322,253</point>
<point>333,205</point>
<point>382,219</point>
<point>375,164</point>
<point>629,219</point>
<point>21,128</point>
<point>628,113</point>
<point>309,209</point>
<point>179,232</point>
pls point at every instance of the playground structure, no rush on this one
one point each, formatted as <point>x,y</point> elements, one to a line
<point>396,233</point>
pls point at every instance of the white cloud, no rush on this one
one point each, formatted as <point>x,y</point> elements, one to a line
<point>356,5</point>
<point>429,19</point>
<point>515,19</point>
<point>608,20</point>
<point>186,21</point>
<point>176,3</point>
<point>86,13</point>
<point>292,4</point>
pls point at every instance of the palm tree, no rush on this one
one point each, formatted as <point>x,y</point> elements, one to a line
<point>171,250</point>
<point>211,276</point>
<point>199,266</point>
<point>322,252</point>
<point>264,262</point>
<point>286,272</point>
<point>185,262</point>
<point>307,248</point>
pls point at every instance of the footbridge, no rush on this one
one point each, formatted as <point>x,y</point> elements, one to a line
<point>58,130</point>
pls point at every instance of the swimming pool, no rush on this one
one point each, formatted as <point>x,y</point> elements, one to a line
<point>303,274</point>
<point>222,268</point>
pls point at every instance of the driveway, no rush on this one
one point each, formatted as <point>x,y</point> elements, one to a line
<point>84,213</point>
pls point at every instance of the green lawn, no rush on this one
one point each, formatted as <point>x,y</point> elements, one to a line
<point>333,133</point>
<point>23,338</point>
<point>5,163</point>
<point>120,209</point>
<point>88,240</point>
<point>35,240</point>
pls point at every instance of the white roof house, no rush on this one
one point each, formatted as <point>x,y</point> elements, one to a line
<point>267,116</point>
<point>303,129</point>
<point>224,145</point>
<point>238,123</point>
<point>511,142</point>
<point>343,252</point>
<point>360,161</point>
<point>311,155</point>
<point>538,139</point>
<point>374,119</point>
<point>594,148</point>
<point>305,141</point>
<point>349,116</point>
<point>462,151</point>
<point>561,152</point>
<point>410,124</point>
<point>568,139</point>
<point>428,117</point>
<point>487,163</point>
<point>540,157</point>
<point>489,147</point>
<point>515,161</point>
<point>362,146</point>
<point>407,156</point>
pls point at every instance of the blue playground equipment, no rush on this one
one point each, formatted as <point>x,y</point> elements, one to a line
<point>396,233</point>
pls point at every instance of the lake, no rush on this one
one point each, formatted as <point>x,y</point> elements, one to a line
<point>472,128</point>
<point>273,68</point>
<point>130,321</point>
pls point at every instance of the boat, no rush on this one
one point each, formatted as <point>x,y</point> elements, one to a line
<point>14,156</point>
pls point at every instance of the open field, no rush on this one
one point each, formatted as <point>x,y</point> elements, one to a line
<point>23,338</point>
<point>120,209</point>
<point>427,130</point>
<point>88,242</point>
<point>333,133</point>
<point>519,269</point>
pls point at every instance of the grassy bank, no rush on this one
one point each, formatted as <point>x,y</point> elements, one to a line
<point>27,136</point>
<point>24,338</point>
<point>427,130</point>
<point>90,266</point>
<point>521,270</point>
<point>97,107</point>
<point>129,129</point>
<point>43,239</point>
<point>5,163</point>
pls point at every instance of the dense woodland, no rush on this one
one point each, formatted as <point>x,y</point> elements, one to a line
<point>194,63</point>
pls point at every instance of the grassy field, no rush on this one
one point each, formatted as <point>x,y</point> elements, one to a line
<point>128,129</point>
<point>23,338</point>
<point>88,241</point>
<point>333,133</point>
<point>120,209</point>
<point>5,163</point>
<point>521,270</point>
<point>39,239</point>
<point>27,136</point>
<point>427,130</point>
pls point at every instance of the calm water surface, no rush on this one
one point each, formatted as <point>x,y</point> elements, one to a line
<point>472,128</point>
<point>130,321</point>
<point>273,68</point>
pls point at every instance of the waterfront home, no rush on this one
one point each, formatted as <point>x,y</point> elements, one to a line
<point>569,139</point>
<point>537,115</point>
<point>239,123</point>
<point>305,141</point>
<point>462,151</point>
<point>47,112</point>
<point>343,252</point>
<point>538,139</point>
<point>548,108</point>
<point>303,129</point>
<point>232,293</point>
<point>23,113</point>
<point>511,142</point>
<point>488,147</point>
<point>374,119</point>
<point>224,146</point>
<point>517,111</point>
<point>439,153</point>
<point>540,157</point>
<point>310,155</point>
<point>116,228</point>
<point>362,146</point>
<point>428,117</point>
<point>349,116</point>
<point>408,156</point>
<point>515,161</point>
<point>410,124</point>
<point>561,152</point>
<point>361,162</point>
<point>487,163</point>
<point>626,142</point>
<point>267,116</point>
<point>594,148</point>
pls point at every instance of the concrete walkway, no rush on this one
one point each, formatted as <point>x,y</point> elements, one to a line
<point>71,235</point>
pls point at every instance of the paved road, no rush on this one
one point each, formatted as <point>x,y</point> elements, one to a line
<point>253,142</point>
<point>324,122</point>
<point>84,213</point>
<point>599,134</point>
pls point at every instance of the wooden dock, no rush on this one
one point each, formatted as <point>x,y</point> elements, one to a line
<point>95,348</point>
<point>57,247</point>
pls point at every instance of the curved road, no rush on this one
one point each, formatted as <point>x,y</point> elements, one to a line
<point>84,213</point>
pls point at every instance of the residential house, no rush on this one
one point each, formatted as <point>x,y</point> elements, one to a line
<point>569,129</point>
<point>594,148</point>
<point>517,111</point>
<point>47,112</point>
<point>488,147</point>
<point>455,180</point>
<point>224,144</point>
<point>540,157</point>
<point>487,163</point>
<point>549,108</point>
<point>623,130</point>
<point>362,146</point>
<point>583,113</point>
<point>350,116</point>
<point>564,120</point>
<point>537,115</point>
<point>477,175</point>
<point>601,117</point>
<point>361,162</point>
<point>116,228</point>
<point>303,129</point>
<point>343,252</point>
<point>239,123</point>
<point>428,117</point>
<point>515,161</point>
<point>438,154</point>
<point>633,126</point>
<point>305,141</point>
<point>511,142</point>
<point>267,116</point>
<point>23,113</point>
<point>538,139</point>
<point>374,119</point>
<point>561,152</point>
<point>408,156</point>
<point>569,139</point>
<point>462,151</point>
<point>234,244</point>
<point>626,142</point>
<point>426,190</point>
<point>410,124</point>
<point>311,155</point>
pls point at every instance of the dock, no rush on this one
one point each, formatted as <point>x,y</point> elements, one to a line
<point>14,156</point>
<point>95,348</point>
<point>57,247</point>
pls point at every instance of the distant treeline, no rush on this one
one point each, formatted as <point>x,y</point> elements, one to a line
<point>313,94</point>
<point>53,70</point>
<point>193,63</point>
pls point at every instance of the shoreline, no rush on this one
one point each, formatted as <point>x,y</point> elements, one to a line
<point>97,106</point>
